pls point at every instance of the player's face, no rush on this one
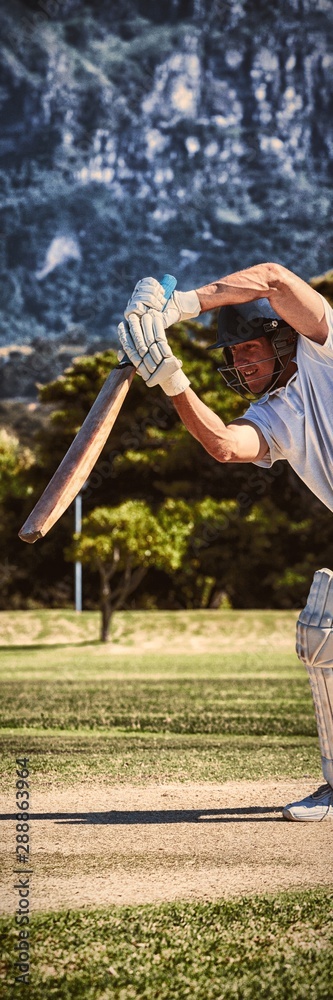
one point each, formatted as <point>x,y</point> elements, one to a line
<point>255,361</point>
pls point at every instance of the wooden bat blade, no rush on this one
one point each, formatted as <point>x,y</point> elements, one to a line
<point>81,456</point>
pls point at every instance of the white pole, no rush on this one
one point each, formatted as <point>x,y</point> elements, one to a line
<point>78,565</point>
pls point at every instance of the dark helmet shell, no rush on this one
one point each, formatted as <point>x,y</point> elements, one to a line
<point>247,321</point>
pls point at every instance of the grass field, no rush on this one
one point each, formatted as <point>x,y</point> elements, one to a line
<point>237,706</point>
<point>210,696</point>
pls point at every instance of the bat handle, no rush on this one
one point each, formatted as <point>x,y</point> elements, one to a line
<point>169,284</point>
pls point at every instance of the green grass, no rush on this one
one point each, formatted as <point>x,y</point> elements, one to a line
<point>270,947</point>
<point>137,759</point>
<point>93,661</point>
<point>82,708</point>
<point>252,706</point>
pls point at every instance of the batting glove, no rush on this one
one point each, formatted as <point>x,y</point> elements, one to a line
<point>146,346</point>
<point>149,294</point>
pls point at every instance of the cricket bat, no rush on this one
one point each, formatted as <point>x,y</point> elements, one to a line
<point>84,451</point>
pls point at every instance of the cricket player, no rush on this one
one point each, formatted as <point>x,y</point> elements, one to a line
<point>275,338</point>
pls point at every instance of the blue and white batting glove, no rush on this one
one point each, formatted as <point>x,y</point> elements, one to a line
<point>149,294</point>
<point>146,346</point>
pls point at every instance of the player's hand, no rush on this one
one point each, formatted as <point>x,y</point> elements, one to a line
<point>146,346</point>
<point>149,294</point>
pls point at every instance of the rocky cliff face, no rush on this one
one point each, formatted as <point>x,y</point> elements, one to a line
<point>191,137</point>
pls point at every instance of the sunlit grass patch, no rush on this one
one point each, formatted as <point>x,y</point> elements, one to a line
<point>230,628</point>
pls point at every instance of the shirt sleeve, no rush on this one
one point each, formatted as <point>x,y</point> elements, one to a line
<point>309,349</point>
<point>258,415</point>
<point>328,345</point>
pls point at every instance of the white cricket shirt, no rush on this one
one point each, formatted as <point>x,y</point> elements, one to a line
<point>297,420</point>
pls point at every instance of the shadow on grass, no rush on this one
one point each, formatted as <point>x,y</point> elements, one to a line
<point>250,814</point>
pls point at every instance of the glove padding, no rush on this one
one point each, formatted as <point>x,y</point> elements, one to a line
<point>146,346</point>
<point>149,294</point>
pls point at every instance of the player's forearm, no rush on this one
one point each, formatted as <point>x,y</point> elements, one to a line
<point>239,441</point>
<point>291,297</point>
<point>204,425</point>
<point>242,286</point>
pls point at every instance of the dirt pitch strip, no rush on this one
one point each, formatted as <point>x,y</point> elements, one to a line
<point>96,845</point>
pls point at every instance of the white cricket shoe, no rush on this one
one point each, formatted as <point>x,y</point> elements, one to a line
<point>315,807</point>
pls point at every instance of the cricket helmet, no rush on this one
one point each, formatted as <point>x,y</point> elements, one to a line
<point>250,321</point>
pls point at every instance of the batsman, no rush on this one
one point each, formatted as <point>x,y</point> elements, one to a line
<point>275,344</point>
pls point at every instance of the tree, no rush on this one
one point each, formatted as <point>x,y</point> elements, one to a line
<point>323,283</point>
<point>122,542</point>
<point>14,463</point>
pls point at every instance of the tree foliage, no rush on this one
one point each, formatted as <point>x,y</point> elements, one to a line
<point>15,461</point>
<point>122,542</point>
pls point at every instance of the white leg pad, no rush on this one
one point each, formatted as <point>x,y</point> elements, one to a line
<point>314,646</point>
<point>321,681</point>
